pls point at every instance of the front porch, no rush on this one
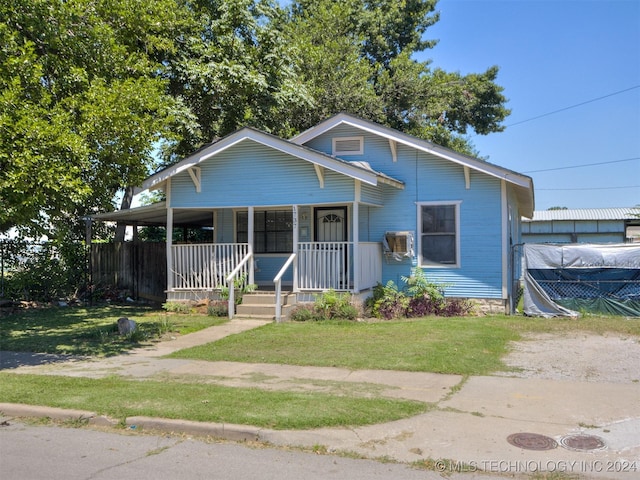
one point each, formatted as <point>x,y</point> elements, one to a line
<point>201,270</point>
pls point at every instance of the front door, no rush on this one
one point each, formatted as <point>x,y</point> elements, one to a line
<point>331,224</point>
<point>331,233</point>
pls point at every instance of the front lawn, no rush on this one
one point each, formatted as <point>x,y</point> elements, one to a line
<point>92,331</point>
<point>465,345</point>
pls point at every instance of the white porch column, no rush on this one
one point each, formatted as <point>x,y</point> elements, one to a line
<point>296,238</point>
<point>250,240</point>
<point>169,252</point>
<point>356,236</point>
<point>214,216</point>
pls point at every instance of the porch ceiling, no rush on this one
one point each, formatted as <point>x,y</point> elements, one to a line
<point>156,215</point>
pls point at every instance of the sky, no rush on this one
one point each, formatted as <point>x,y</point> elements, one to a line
<point>571,73</point>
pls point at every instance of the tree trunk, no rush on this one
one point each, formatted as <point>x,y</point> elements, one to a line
<point>127,198</point>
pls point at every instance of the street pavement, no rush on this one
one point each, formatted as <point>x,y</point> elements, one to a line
<point>470,424</point>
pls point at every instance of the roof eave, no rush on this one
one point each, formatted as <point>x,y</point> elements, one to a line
<point>299,151</point>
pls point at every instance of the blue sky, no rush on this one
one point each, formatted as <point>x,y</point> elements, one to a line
<point>555,54</point>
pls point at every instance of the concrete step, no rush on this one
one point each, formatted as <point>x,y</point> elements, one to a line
<point>267,312</point>
<point>267,298</point>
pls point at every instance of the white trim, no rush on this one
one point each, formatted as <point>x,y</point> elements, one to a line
<point>393,145</point>
<point>504,204</point>
<point>456,204</point>
<point>196,177</point>
<point>169,243</point>
<point>335,144</point>
<point>284,146</point>
<point>319,174</point>
<point>355,234</point>
<point>419,144</point>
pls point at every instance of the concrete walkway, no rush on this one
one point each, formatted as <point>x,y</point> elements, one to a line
<point>469,424</point>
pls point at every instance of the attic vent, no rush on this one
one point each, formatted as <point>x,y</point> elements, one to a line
<point>348,146</point>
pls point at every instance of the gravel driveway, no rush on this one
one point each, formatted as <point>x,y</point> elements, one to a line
<point>583,357</point>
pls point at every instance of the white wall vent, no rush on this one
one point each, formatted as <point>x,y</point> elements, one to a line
<point>348,145</point>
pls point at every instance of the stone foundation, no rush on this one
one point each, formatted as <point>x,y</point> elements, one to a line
<point>490,306</point>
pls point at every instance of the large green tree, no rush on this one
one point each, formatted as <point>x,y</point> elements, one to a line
<point>91,90</point>
<point>82,103</point>
<point>359,56</point>
<point>236,70</point>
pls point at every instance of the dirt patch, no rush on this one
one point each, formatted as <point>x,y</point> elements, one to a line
<point>582,357</point>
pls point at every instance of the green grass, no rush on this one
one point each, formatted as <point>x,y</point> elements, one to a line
<point>119,398</point>
<point>91,331</point>
<point>466,346</point>
<point>458,345</point>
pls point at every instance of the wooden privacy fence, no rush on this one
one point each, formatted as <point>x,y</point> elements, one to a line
<point>140,267</point>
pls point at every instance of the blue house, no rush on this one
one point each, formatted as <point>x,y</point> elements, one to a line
<point>344,205</point>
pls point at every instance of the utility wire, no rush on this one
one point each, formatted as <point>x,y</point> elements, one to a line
<point>585,165</point>
<point>573,106</point>
<point>591,188</point>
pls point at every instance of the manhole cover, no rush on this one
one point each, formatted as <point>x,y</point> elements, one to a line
<point>532,441</point>
<point>582,442</point>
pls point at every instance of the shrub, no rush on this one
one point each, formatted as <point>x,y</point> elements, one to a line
<point>424,306</point>
<point>177,307</point>
<point>327,306</point>
<point>422,298</point>
<point>419,286</point>
<point>456,307</point>
<point>218,308</point>
<point>304,313</point>
<point>387,301</point>
<point>240,287</point>
<point>331,304</point>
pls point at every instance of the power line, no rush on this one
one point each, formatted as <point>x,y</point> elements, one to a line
<point>574,106</point>
<point>590,188</point>
<point>584,165</point>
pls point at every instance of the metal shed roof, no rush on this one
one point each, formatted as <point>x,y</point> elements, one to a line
<point>626,213</point>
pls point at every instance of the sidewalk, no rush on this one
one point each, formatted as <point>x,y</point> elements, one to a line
<point>470,424</point>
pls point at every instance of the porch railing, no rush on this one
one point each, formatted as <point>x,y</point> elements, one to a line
<point>320,265</point>
<point>324,265</point>
<point>369,264</point>
<point>205,266</point>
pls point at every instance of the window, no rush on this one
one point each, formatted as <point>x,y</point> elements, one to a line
<point>348,145</point>
<point>272,230</point>
<point>439,242</point>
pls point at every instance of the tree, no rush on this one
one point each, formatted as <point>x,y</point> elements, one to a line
<point>235,69</point>
<point>83,103</point>
<point>357,56</point>
<point>92,90</point>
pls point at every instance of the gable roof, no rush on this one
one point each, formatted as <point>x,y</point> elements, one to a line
<point>354,170</point>
<point>523,184</point>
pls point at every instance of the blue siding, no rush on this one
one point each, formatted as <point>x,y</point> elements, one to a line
<point>372,195</point>
<point>480,272</point>
<point>431,179</point>
<point>252,174</point>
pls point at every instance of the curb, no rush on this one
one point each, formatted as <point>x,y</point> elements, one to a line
<point>238,433</point>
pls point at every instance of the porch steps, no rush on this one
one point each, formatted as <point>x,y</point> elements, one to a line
<point>262,305</point>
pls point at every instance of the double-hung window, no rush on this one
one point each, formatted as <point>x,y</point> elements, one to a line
<point>439,234</point>
<point>272,230</point>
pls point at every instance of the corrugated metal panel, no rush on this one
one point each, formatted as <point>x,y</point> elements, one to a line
<point>585,214</point>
